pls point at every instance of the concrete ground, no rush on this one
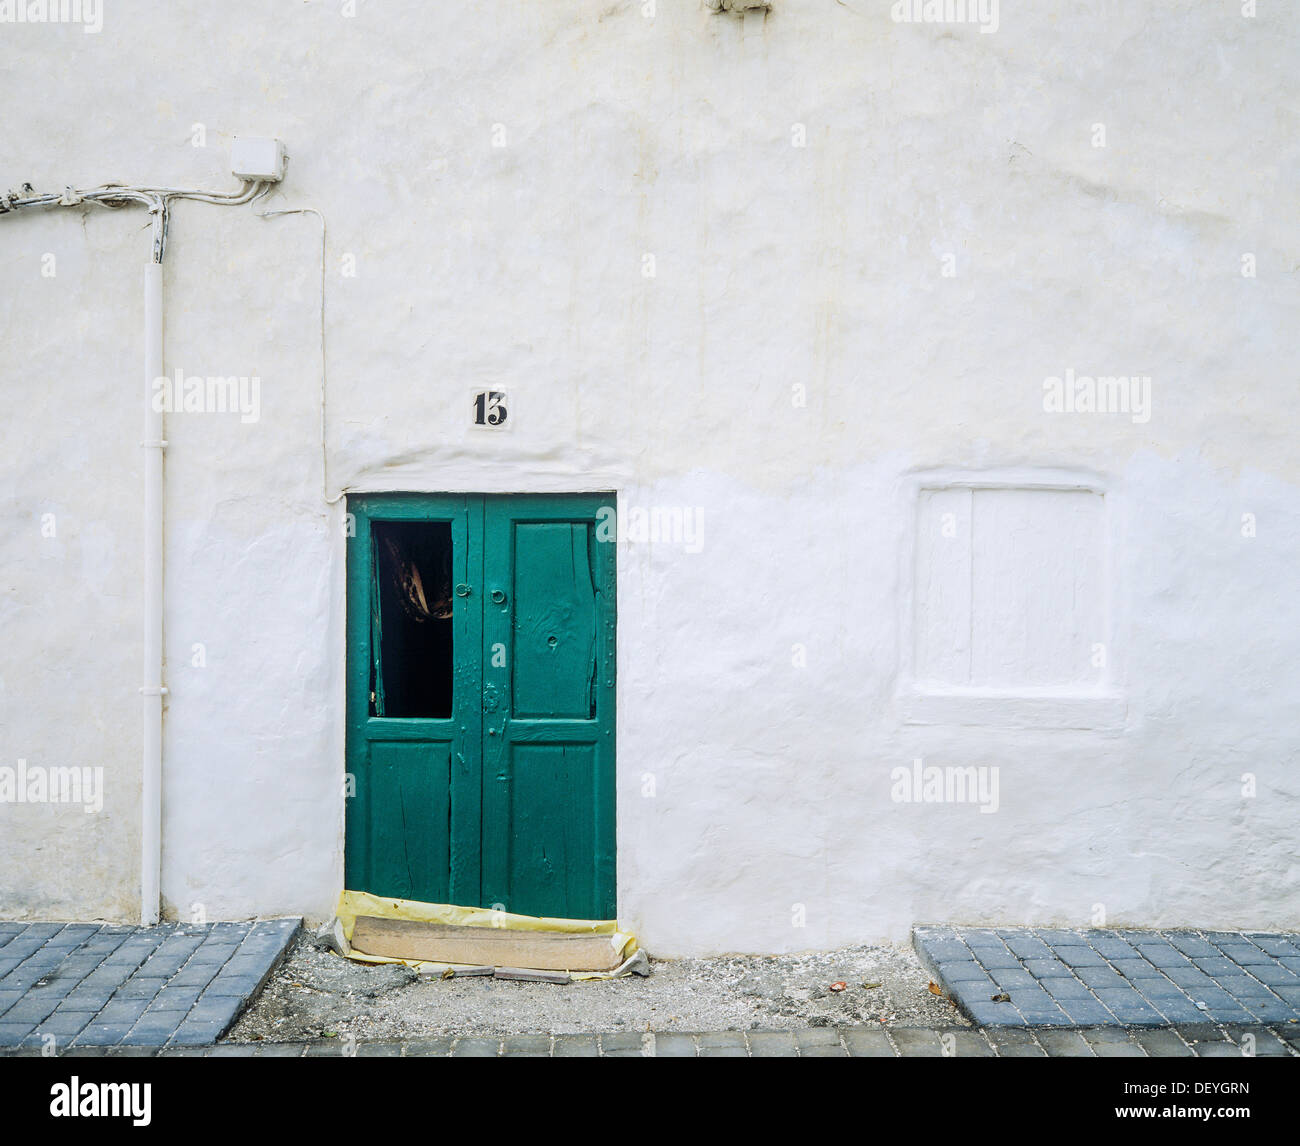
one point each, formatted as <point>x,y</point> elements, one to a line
<point>316,994</point>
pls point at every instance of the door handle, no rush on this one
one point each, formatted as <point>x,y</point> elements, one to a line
<point>498,596</point>
<point>462,590</point>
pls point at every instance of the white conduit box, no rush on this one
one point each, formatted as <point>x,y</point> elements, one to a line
<point>258,159</point>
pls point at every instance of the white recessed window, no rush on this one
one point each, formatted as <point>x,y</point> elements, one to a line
<point>1010,607</point>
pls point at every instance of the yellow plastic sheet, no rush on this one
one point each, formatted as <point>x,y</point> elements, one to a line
<point>354,903</point>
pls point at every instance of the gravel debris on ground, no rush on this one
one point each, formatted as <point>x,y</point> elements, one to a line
<point>317,994</point>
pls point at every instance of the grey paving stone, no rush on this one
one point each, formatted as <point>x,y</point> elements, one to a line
<point>1290,1034</point>
<point>1275,945</point>
<point>1163,1042</point>
<point>995,959</point>
<point>973,992</point>
<point>216,1009</point>
<point>1057,936</point>
<point>195,1033</point>
<point>1103,978</point>
<point>1246,954</point>
<point>212,953</point>
<point>671,1044</point>
<point>1270,1010</point>
<point>31,1011</point>
<point>772,1044</point>
<point>868,1042</point>
<point>1134,969</point>
<point>175,998</point>
<point>817,1042</point>
<point>968,971</point>
<point>1066,989</point>
<point>1192,945</point>
<point>1064,1044</point>
<point>1161,954</point>
<point>1046,1017</point>
<point>1178,1011</point>
<point>1014,1044</point>
<point>823,1052</point>
<point>122,1011</point>
<point>65,1023</point>
<point>232,986</point>
<point>996,1015</point>
<point>42,931</point>
<point>101,1034</point>
<point>621,1044</point>
<point>1130,1008</point>
<point>1028,946</point>
<point>1243,988</point>
<point>1156,989</point>
<point>86,999</point>
<point>1217,1050</point>
<point>964,1044</point>
<point>1275,975</point>
<point>1013,977</point>
<point>441,1048</point>
<point>1086,1012</point>
<point>1267,1044</point>
<point>154,1028</point>
<point>1048,969</point>
<point>1113,1042</point>
<point>1216,967</point>
<point>945,951</point>
<point>728,1050</point>
<point>1188,977</point>
<point>195,975</point>
<point>381,1049</point>
<point>917,1043</point>
<point>571,1046</point>
<point>331,1048</point>
<point>1111,947</point>
<point>1078,957</point>
<point>138,987</point>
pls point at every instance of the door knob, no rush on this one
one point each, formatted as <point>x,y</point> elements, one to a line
<point>462,590</point>
<point>498,597</point>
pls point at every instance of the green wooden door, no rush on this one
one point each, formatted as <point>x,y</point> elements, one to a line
<point>480,723</point>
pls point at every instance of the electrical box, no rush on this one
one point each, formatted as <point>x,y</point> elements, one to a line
<point>259,159</point>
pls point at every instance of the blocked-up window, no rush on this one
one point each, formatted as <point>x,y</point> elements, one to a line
<point>1010,589</point>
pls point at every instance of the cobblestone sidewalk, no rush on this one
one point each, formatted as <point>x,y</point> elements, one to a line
<point>1062,978</point>
<point>88,985</point>
<point>1202,1040</point>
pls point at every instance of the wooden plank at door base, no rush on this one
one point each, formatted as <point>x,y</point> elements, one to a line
<point>483,946</point>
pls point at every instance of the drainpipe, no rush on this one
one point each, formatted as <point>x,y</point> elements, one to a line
<point>152,687</point>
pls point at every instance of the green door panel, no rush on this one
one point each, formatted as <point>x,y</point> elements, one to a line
<point>555,621</point>
<point>403,811</point>
<point>510,800</point>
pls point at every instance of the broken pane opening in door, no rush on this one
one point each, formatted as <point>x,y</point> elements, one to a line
<point>410,623</point>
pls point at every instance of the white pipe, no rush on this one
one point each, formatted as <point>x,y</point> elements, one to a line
<point>152,689</point>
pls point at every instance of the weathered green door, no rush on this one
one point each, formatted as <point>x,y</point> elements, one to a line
<point>480,725</point>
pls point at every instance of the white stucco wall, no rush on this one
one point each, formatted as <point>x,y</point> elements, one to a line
<point>820,266</point>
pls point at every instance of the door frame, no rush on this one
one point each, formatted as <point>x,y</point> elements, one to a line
<point>466,512</point>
